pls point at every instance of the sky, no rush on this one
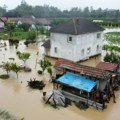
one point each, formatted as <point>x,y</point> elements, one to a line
<point>65,4</point>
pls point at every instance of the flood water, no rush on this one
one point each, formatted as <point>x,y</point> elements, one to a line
<point>22,101</point>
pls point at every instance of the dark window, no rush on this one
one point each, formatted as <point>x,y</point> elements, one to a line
<point>98,35</point>
<point>70,39</point>
<point>82,52</point>
<point>55,49</point>
<point>98,47</point>
<point>88,50</point>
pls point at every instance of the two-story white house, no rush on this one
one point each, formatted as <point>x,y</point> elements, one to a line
<point>77,39</point>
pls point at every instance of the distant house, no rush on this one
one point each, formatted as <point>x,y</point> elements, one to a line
<point>44,22</point>
<point>1,24</point>
<point>34,22</point>
<point>75,40</point>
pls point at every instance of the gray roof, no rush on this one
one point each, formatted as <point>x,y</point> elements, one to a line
<point>76,27</point>
<point>46,44</point>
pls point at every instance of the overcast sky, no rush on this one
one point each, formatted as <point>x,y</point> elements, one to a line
<point>65,4</point>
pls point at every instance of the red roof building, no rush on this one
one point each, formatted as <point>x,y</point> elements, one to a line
<point>82,69</point>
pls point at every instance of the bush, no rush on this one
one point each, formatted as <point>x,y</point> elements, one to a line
<point>31,35</point>
<point>4,76</point>
<point>49,71</point>
<point>39,72</point>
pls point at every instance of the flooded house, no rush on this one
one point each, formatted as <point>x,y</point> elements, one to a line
<point>76,79</point>
<point>75,40</point>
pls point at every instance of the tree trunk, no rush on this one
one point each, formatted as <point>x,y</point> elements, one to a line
<point>17,75</point>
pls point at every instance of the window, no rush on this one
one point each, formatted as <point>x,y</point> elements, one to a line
<point>55,49</point>
<point>98,35</point>
<point>88,50</point>
<point>82,52</point>
<point>70,39</point>
<point>98,47</point>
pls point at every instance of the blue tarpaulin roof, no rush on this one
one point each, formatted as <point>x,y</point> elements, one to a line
<point>77,81</point>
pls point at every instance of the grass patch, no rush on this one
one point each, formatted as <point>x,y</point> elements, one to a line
<point>111,48</point>
<point>16,35</point>
<point>113,37</point>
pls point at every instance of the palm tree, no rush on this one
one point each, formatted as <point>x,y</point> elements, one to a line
<point>15,68</point>
<point>23,56</point>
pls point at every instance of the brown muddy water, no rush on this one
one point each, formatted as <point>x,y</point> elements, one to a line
<point>22,101</point>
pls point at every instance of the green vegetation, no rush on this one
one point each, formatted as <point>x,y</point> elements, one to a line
<point>4,115</point>
<point>112,58</point>
<point>109,24</point>
<point>6,66</point>
<point>49,70</point>
<point>17,35</point>
<point>113,37</point>
<point>20,32</point>
<point>47,11</point>
<point>15,68</point>
<point>4,76</point>
<point>44,64</point>
<point>23,56</point>
<point>111,48</point>
<point>31,35</point>
<point>9,67</point>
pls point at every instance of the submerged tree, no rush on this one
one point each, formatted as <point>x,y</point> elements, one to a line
<point>15,68</point>
<point>23,56</point>
<point>44,64</point>
<point>6,66</point>
<point>49,70</point>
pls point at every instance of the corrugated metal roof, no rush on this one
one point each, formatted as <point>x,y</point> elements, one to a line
<point>77,81</point>
<point>92,71</point>
<point>107,66</point>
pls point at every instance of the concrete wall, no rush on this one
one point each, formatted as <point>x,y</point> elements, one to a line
<point>73,50</point>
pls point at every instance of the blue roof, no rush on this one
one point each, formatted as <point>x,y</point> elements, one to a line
<point>77,81</point>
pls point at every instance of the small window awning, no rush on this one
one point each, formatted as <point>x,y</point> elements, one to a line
<point>77,81</point>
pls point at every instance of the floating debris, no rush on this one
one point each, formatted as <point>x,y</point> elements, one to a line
<point>36,84</point>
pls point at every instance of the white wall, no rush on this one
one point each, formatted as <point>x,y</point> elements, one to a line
<point>64,49</point>
<point>1,24</point>
<point>72,50</point>
<point>85,41</point>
